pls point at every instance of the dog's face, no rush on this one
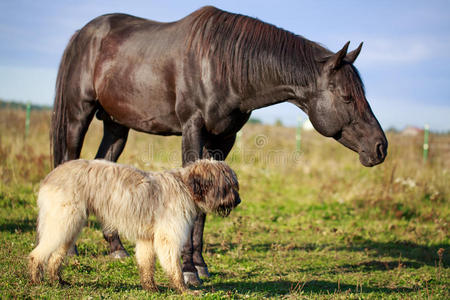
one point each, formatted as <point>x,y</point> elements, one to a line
<point>214,186</point>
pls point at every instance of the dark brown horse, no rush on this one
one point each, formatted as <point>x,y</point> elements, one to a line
<point>201,77</point>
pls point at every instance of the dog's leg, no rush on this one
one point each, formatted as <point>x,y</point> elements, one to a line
<point>169,256</point>
<point>145,257</point>
<point>54,264</point>
<point>39,257</point>
<point>59,226</point>
<point>36,268</point>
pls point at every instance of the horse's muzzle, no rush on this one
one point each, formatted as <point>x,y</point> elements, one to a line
<point>374,156</point>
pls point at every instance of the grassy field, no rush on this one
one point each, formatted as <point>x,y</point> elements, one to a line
<point>314,224</point>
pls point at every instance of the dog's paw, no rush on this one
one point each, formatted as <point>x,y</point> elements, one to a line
<point>119,254</point>
<point>150,288</point>
<point>191,278</point>
<point>195,293</point>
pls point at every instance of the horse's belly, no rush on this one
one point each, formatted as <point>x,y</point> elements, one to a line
<point>146,105</point>
<point>161,125</point>
<point>151,115</point>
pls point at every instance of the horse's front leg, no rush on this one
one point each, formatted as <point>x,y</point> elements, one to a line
<point>217,148</point>
<point>192,148</point>
<point>197,246</point>
<point>113,142</point>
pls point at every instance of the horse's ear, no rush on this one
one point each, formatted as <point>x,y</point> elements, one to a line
<point>336,60</point>
<point>351,56</point>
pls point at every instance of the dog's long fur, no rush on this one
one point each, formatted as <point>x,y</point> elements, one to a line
<point>154,209</point>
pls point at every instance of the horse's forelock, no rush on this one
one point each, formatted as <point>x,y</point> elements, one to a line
<point>353,86</point>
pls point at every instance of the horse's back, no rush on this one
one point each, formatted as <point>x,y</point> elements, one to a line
<point>131,64</point>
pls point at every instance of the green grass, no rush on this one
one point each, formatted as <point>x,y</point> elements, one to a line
<point>315,225</point>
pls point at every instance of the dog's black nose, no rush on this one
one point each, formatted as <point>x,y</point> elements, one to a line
<point>237,198</point>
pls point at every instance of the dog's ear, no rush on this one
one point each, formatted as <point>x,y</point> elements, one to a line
<point>199,183</point>
<point>196,187</point>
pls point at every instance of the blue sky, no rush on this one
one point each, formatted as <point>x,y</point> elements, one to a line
<point>405,61</point>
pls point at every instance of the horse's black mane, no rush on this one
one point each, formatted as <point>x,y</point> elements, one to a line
<point>250,51</point>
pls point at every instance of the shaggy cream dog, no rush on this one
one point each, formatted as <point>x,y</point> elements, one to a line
<point>154,209</point>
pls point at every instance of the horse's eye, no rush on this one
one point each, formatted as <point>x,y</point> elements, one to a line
<point>348,98</point>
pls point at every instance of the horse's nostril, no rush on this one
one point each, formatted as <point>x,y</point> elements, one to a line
<point>380,150</point>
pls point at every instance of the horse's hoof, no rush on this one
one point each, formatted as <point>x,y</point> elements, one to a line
<point>203,271</point>
<point>119,254</point>
<point>191,278</point>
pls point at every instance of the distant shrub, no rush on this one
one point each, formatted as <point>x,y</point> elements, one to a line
<point>254,121</point>
<point>20,105</point>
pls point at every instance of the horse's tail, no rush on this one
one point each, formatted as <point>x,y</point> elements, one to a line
<point>58,132</point>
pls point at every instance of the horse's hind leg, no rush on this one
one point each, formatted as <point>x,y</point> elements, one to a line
<point>77,129</point>
<point>69,128</point>
<point>113,142</point>
<point>114,137</point>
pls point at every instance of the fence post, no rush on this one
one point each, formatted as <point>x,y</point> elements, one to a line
<point>27,119</point>
<point>426,146</point>
<point>298,136</point>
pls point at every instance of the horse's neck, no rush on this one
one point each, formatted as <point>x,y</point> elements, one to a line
<point>267,97</point>
<point>275,95</point>
<point>274,89</point>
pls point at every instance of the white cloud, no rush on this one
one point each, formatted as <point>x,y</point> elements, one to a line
<point>403,50</point>
<point>385,50</point>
